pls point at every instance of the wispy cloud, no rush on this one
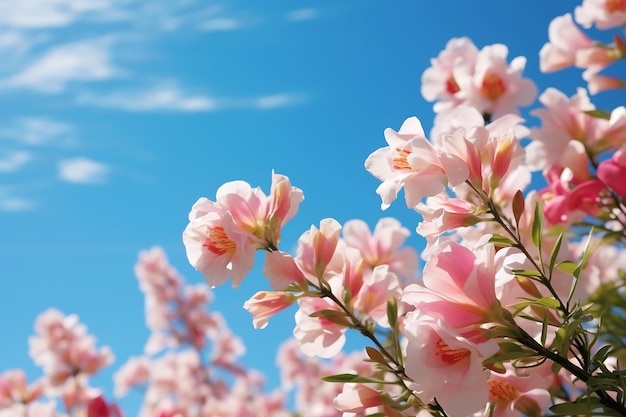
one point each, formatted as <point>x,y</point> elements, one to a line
<point>34,131</point>
<point>39,14</point>
<point>11,203</point>
<point>83,171</point>
<point>12,161</point>
<point>155,99</point>
<point>221,25</point>
<point>73,62</point>
<point>300,15</point>
<point>277,100</point>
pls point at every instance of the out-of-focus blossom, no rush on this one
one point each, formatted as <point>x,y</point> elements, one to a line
<point>612,172</point>
<point>439,81</point>
<point>496,87</point>
<point>14,388</point>
<point>98,407</point>
<point>383,246</point>
<point>605,14</point>
<point>566,40</point>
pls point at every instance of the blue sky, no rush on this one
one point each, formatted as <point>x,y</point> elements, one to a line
<point>117,115</point>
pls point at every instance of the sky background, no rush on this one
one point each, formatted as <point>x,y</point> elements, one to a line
<point>117,115</point>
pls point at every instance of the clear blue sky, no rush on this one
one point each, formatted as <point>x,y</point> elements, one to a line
<point>115,120</point>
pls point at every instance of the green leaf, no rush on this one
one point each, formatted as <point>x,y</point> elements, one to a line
<point>337,317</point>
<point>566,266</point>
<point>600,114</point>
<point>354,378</point>
<point>392,312</point>
<point>500,240</point>
<point>527,272</point>
<point>537,226</point>
<point>555,252</point>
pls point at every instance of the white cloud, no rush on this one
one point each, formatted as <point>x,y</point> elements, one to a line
<point>11,203</point>
<point>13,161</point>
<point>79,61</point>
<point>83,171</point>
<point>39,14</point>
<point>38,131</point>
<point>277,100</point>
<point>302,14</point>
<point>220,25</point>
<point>156,99</point>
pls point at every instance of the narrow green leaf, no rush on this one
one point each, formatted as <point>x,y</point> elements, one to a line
<point>392,312</point>
<point>334,316</point>
<point>500,240</point>
<point>537,226</point>
<point>600,114</point>
<point>555,252</point>
<point>354,378</point>
<point>566,266</point>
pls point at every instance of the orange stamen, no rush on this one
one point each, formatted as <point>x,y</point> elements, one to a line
<point>613,6</point>
<point>450,356</point>
<point>502,391</point>
<point>400,160</point>
<point>451,86</point>
<point>218,242</point>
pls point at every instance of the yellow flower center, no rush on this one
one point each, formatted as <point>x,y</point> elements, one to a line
<point>493,86</point>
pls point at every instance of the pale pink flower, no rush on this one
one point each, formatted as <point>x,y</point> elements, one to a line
<point>613,136</point>
<point>156,276</point>
<point>216,246</point>
<point>439,82</point>
<point>566,40</point>
<point>15,389</point>
<point>378,289</point>
<point>605,14</point>
<point>410,161</point>
<point>450,120</point>
<point>512,395</point>
<point>383,246</point>
<point>134,372</point>
<point>444,365</point>
<point>598,83</point>
<point>35,409</point>
<point>364,400</point>
<point>318,336</point>
<point>264,304</point>
<point>496,87</point>
<point>562,120</point>
<point>442,214</point>
<point>318,257</point>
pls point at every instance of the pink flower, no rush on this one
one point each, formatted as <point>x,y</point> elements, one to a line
<point>497,87</point>
<point>318,258</point>
<point>14,389</point>
<point>562,121</point>
<point>612,172</point>
<point>411,162</point>
<point>598,83</point>
<point>360,398</point>
<point>265,304</point>
<point>458,286</point>
<point>444,365</point>
<point>135,371</point>
<point>216,246</point>
<point>565,42</point>
<point>383,246</point>
<point>222,236</point>
<point>605,14</point>
<point>377,290</point>
<point>318,336</point>
<point>512,394</point>
<point>442,214</point>
<point>439,82</point>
